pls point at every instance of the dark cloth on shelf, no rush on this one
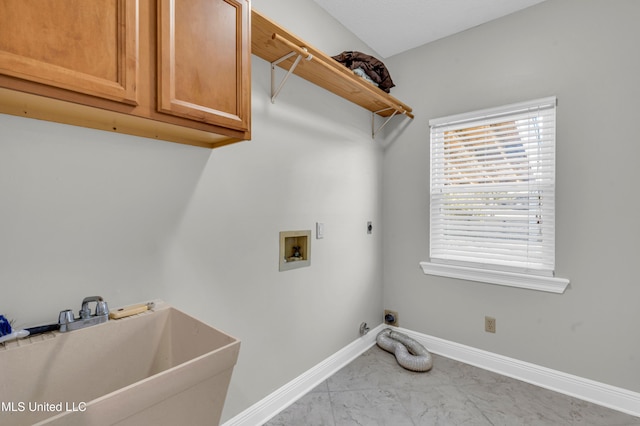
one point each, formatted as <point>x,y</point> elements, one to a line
<point>373,67</point>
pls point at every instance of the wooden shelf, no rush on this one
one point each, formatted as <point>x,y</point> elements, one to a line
<point>271,42</point>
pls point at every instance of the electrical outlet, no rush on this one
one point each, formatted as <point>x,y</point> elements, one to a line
<point>489,324</point>
<point>390,317</point>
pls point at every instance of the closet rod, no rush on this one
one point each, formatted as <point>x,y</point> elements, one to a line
<point>302,51</point>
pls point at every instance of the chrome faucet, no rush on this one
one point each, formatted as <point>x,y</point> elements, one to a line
<point>68,323</point>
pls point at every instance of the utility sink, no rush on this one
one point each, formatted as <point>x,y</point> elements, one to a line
<point>160,367</point>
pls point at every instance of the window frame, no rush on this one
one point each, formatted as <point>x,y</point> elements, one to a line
<point>534,279</point>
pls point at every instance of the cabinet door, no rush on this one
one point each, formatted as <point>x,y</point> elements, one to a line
<point>204,61</point>
<point>85,46</point>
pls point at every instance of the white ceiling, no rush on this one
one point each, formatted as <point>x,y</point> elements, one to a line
<point>393,26</point>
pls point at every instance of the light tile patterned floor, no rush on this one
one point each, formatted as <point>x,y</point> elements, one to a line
<point>375,390</point>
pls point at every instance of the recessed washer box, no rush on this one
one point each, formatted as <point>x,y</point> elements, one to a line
<point>295,249</point>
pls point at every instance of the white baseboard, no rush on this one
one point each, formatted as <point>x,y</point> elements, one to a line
<point>599,393</point>
<point>272,404</point>
<point>588,390</point>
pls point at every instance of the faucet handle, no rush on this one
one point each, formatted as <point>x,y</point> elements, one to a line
<point>65,319</point>
<point>102,308</point>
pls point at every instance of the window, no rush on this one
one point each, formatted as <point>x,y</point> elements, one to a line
<point>492,196</point>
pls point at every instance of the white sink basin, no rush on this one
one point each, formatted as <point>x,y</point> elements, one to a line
<point>161,367</point>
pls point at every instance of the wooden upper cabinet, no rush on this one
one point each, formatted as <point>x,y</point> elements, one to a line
<point>88,47</point>
<point>204,61</point>
<point>177,70</point>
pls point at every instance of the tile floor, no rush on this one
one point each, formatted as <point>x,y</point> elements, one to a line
<point>375,390</point>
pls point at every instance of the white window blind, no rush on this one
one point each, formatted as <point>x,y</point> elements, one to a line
<point>493,188</point>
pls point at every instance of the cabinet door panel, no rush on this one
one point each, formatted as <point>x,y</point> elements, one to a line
<point>204,59</point>
<point>85,46</point>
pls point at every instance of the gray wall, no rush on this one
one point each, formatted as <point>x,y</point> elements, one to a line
<point>86,212</point>
<point>585,53</point>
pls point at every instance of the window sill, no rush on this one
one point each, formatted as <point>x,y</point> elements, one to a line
<point>511,279</point>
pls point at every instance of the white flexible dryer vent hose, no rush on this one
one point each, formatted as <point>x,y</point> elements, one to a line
<point>409,353</point>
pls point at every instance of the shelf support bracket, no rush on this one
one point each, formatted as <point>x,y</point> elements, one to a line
<point>373,121</point>
<point>275,91</point>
